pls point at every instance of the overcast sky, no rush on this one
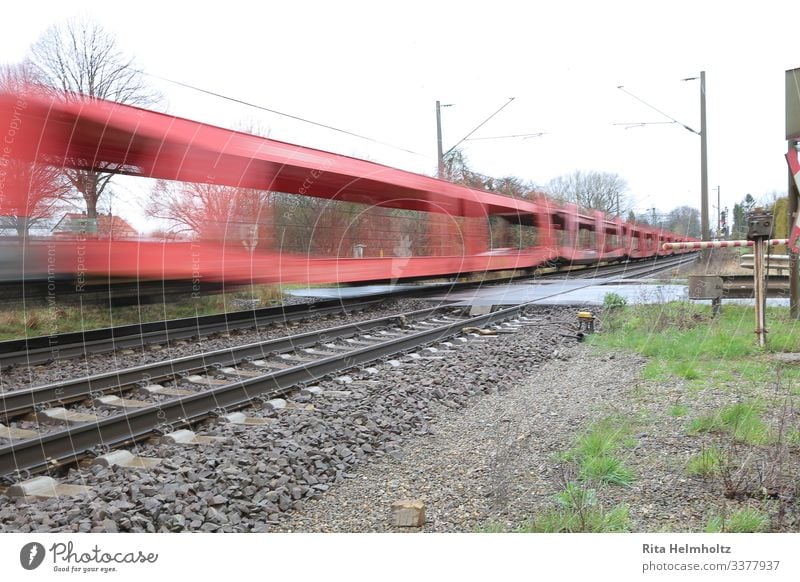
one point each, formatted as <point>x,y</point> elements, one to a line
<point>377,69</point>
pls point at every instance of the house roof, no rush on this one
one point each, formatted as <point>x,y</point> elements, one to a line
<point>106,224</point>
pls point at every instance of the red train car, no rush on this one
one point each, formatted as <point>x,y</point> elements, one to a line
<point>94,134</point>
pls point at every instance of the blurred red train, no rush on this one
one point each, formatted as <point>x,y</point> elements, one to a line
<point>463,222</point>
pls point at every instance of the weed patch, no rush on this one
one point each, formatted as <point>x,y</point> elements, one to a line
<point>594,452</point>
<point>705,464</point>
<point>742,421</point>
<point>578,511</point>
<point>748,520</point>
<point>678,410</point>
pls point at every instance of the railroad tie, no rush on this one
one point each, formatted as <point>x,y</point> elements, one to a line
<point>243,419</point>
<point>62,415</point>
<point>16,434</point>
<point>188,437</point>
<point>164,390</point>
<point>45,487</point>
<point>126,459</point>
<point>117,402</point>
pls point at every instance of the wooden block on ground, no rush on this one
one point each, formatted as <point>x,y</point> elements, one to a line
<point>408,513</point>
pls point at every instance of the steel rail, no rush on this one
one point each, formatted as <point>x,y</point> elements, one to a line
<point>637,268</point>
<point>18,402</point>
<point>74,442</point>
<point>41,349</point>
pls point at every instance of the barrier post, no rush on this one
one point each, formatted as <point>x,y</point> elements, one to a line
<point>759,228</point>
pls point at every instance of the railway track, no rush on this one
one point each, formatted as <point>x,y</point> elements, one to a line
<point>41,349</point>
<point>637,269</point>
<point>44,349</point>
<point>176,393</point>
<point>65,421</point>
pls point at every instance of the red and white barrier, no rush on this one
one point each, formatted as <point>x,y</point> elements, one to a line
<point>719,244</point>
<point>794,167</point>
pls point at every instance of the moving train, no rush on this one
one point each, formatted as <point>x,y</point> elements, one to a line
<point>460,224</point>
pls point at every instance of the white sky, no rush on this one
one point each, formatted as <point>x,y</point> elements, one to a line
<point>378,68</point>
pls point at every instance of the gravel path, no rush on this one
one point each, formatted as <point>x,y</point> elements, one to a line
<point>498,460</point>
<point>494,461</point>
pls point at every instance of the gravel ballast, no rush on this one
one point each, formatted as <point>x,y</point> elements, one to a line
<point>314,445</point>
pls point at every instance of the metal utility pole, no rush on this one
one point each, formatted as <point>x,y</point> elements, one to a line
<point>440,156</point>
<point>703,159</point>
<point>792,136</point>
<point>703,133</point>
<point>719,216</point>
<point>794,303</point>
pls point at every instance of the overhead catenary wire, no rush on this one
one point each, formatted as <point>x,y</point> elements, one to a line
<point>281,113</point>
<point>522,135</point>
<point>633,124</point>
<point>656,109</point>
<point>506,104</point>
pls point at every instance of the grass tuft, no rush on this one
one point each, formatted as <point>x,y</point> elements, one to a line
<point>705,464</point>
<point>606,469</point>
<point>594,452</point>
<point>678,410</point>
<point>742,421</point>
<point>577,511</point>
<point>748,520</point>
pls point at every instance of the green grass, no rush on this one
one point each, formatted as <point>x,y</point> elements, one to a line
<point>606,469</point>
<point>594,452</point>
<point>614,301</point>
<point>32,320</point>
<point>748,520</point>
<point>577,511</point>
<point>745,422</point>
<point>685,342</point>
<point>705,464</point>
<point>705,424</point>
<point>603,437</point>
<point>678,410</point>
<point>742,421</point>
<point>793,437</point>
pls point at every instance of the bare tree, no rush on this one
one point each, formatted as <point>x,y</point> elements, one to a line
<point>211,211</point>
<point>79,60</point>
<point>38,189</point>
<point>600,190</point>
<point>683,220</point>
